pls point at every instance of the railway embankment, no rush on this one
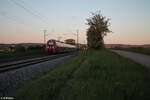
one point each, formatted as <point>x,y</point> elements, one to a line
<point>19,73</point>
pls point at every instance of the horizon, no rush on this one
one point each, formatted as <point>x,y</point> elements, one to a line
<point>79,43</point>
<point>23,21</point>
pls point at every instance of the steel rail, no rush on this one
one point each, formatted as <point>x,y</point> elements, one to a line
<point>25,63</point>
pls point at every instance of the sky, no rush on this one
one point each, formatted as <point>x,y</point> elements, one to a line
<point>23,21</point>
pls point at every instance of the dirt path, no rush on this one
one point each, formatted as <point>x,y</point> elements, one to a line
<point>140,58</point>
<point>69,80</point>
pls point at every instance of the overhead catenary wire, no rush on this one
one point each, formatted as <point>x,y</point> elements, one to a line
<point>34,13</point>
<point>12,19</point>
<point>21,4</point>
<point>33,10</point>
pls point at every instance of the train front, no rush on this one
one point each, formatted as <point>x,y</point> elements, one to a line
<point>50,46</point>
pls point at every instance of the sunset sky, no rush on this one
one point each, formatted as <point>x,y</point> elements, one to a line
<point>23,21</point>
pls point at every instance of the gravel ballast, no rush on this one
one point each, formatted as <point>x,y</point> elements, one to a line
<point>9,81</point>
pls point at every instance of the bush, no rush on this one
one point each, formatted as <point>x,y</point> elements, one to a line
<point>20,48</point>
<point>35,47</point>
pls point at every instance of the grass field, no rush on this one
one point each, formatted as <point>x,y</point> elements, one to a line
<point>104,75</point>
<point>17,55</point>
<point>107,76</point>
<point>47,87</point>
<point>136,49</point>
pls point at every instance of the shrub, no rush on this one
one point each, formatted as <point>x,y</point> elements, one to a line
<point>20,48</point>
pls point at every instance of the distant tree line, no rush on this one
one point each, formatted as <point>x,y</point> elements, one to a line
<point>20,48</point>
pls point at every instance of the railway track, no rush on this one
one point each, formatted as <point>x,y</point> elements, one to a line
<point>24,63</point>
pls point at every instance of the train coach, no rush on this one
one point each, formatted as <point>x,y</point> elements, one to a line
<point>54,46</point>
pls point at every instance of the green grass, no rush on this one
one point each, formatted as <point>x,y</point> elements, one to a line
<point>47,87</point>
<point>105,75</point>
<point>136,49</point>
<point>16,55</point>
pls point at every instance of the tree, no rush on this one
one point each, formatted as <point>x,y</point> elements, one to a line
<point>70,41</point>
<point>98,28</point>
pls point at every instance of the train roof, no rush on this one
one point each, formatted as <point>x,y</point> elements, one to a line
<point>56,41</point>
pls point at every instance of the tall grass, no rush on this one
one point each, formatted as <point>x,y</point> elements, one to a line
<point>107,76</point>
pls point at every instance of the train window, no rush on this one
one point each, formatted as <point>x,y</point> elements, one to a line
<point>50,43</point>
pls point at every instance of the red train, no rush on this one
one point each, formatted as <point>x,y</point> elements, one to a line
<point>54,46</point>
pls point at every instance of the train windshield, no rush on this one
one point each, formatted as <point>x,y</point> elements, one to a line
<point>50,43</point>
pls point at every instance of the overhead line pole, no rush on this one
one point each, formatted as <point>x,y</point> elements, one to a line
<point>44,36</point>
<point>77,38</point>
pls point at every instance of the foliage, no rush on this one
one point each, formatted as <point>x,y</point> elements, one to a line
<point>98,28</point>
<point>38,47</point>
<point>20,48</point>
<point>17,55</point>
